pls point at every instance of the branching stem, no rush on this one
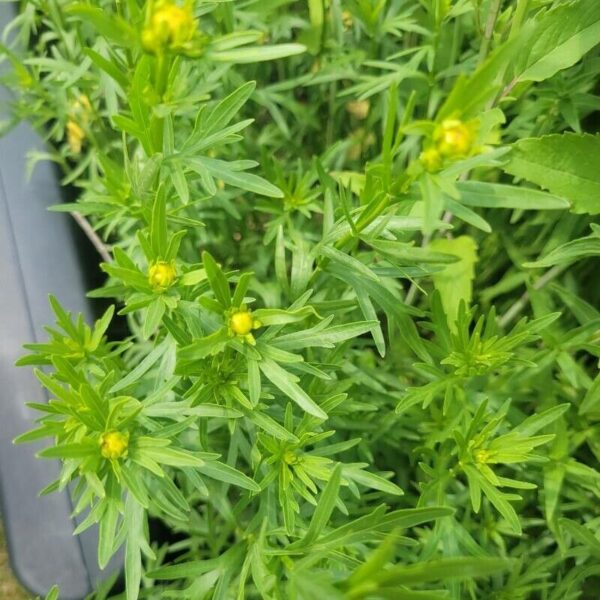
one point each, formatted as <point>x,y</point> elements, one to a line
<point>521,303</point>
<point>93,236</point>
<point>492,16</point>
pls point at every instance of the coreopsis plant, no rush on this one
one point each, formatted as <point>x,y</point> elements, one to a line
<point>354,247</point>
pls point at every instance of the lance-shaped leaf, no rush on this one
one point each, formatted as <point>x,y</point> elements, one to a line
<point>287,383</point>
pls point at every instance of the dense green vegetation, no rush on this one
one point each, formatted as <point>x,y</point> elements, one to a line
<point>354,245</point>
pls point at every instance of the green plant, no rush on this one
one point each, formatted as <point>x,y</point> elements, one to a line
<point>352,311</point>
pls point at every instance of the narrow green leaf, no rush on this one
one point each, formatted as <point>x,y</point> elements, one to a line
<point>371,480</point>
<point>581,534</point>
<point>173,457</point>
<point>217,279</point>
<point>154,315</point>
<point>408,253</point>
<point>271,426</point>
<point>286,382</point>
<point>496,497</point>
<point>53,594</point>
<point>223,472</point>
<point>442,569</point>
<point>320,337</point>
<point>277,316</point>
<point>199,349</point>
<point>252,54</point>
<point>107,532</point>
<point>591,401</point>
<point>569,252</point>
<point>324,508</point>
<point>495,195</point>
<point>111,27</point>
<point>138,372</point>
<point>227,108</point>
<point>134,514</point>
<point>66,451</point>
<point>220,169</point>
<point>158,226</point>
<point>534,423</point>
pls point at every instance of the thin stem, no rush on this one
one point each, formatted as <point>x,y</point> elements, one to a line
<point>492,16</point>
<point>329,130</point>
<point>522,302</point>
<point>163,66</point>
<point>507,90</point>
<point>411,294</point>
<point>161,80</point>
<point>93,236</point>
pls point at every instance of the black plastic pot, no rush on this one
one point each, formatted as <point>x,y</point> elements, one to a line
<point>39,255</point>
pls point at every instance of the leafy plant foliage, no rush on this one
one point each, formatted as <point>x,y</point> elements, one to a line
<point>354,246</point>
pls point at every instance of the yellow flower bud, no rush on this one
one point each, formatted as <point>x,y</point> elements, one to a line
<point>82,107</point>
<point>170,27</point>
<point>161,275</point>
<point>75,136</point>
<point>80,111</point>
<point>114,444</point>
<point>359,108</point>
<point>347,19</point>
<point>431,159</point>
<point>241,323</point>
<point>454,138</point>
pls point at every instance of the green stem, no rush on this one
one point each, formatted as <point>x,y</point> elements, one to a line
<point>163,66</point>
<point>161,80</point>
<point>492,17</point>
<point>522,302</point>
<point>329,132</point>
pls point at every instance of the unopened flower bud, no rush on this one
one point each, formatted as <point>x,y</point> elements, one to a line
<point>347,20</point>
<point>454,138</point>
<point>114,444</point>
<point>241,323</point>
<point>431,159</point>
<point>75,136</point>
<point>161,275</point>
<point>79,117</point>
<point>359,108</point>
<point>170,27</point>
